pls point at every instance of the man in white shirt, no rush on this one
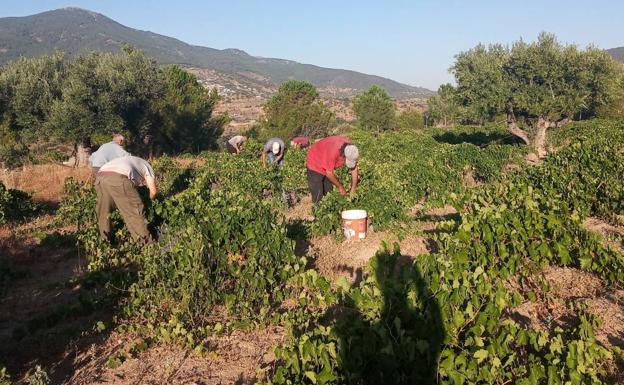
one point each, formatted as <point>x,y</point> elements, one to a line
<point>235,144</point>
<point>115,185</point>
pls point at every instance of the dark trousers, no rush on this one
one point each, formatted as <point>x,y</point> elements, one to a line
<point>229,148</point>
<point>319,185</point>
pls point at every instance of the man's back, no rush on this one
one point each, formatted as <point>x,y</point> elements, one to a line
<point>106,153</point>
<point>135,168</point>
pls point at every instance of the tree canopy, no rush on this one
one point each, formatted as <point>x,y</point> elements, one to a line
<point>184,114</point>
<point>375,110</point>
<point>55,99</point>
<point>535,85</point>
<point>295,110</point>
<point>443,109</point>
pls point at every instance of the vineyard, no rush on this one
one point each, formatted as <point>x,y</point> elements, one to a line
<point>478,307</point>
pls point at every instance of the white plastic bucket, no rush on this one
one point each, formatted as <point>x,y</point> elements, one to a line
<point>355,224</point>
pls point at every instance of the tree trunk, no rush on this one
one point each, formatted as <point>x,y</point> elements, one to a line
<point>82,154</point>
<point>540,135</point>
<point>513,128</point>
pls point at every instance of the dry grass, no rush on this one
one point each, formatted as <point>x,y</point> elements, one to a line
<point>44,181</point>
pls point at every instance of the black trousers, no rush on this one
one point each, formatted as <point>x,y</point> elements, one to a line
<point>319,185</point>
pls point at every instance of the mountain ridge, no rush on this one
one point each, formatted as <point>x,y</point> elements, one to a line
<point>617,53</point>
<point>76,30</point>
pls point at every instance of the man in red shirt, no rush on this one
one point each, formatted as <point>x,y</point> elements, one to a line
<point>323,158</point>
<point>299,142</point>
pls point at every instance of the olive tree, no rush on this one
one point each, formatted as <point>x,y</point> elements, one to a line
<point>105,93</point>
<point>28,87</point>
<point>536,85</point>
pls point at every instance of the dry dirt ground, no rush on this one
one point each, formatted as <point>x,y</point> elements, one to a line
<point>334,258</point>
<point>47,317</point>
<point>43,319</point>
<point>44,181</point>
<point>238,358</point>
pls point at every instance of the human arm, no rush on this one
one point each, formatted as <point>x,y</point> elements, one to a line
<point>334,180</point>
<point>264,158</point>
<point>150,182</point>
<point>355,177</point>
<point>279,157</point>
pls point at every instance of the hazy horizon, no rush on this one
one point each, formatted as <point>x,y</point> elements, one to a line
<point>410,42</point>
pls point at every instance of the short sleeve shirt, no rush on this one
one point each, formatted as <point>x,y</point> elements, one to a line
<point>106,153</point>
<point>235,140</point>
<point>269,144</point>
<point>135,168</point>
<point>326,154</point>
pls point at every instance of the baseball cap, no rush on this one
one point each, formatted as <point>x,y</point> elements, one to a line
<point>351,154</point>
<point>275,148</point>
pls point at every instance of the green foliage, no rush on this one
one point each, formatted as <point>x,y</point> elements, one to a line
<point>375,110</point>
<point>399,169</point>
<point>539,84</point>
<point>443,109</point>
<point>172,177</point>
<point>106,93</point>
<point>90,97</point>
<point>482,85</point>
<point>222,257</point>
<point>410,120</point>
<point>218,247</point>
<point>295,110</point>
<point>448,317</point>
<point>28,88</point>
<point>184,120</point>
<point>294,173</point>
<point>13,152</point>
<point>15,205</point>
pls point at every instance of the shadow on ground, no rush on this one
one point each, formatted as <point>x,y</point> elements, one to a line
<point>51,309</point>
<point>389,327</point>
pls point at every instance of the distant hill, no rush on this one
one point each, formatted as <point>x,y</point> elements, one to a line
<point>76,31</point>
<point>617,53</point>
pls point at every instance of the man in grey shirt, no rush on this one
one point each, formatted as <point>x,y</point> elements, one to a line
<point>107,152</point>
<point>115,185</point>
<point>273,150</point>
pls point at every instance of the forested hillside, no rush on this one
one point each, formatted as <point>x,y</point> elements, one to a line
<point>77,31</point>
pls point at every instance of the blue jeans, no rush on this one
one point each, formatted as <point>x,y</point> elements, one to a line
<point>272,160</point>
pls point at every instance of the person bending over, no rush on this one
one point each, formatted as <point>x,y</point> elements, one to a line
<point>235,144</point>
<point>323,158</point>
<point>274,151</point>
<point>116,186</point>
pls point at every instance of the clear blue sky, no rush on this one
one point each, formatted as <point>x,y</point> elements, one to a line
<point>410,41</point>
